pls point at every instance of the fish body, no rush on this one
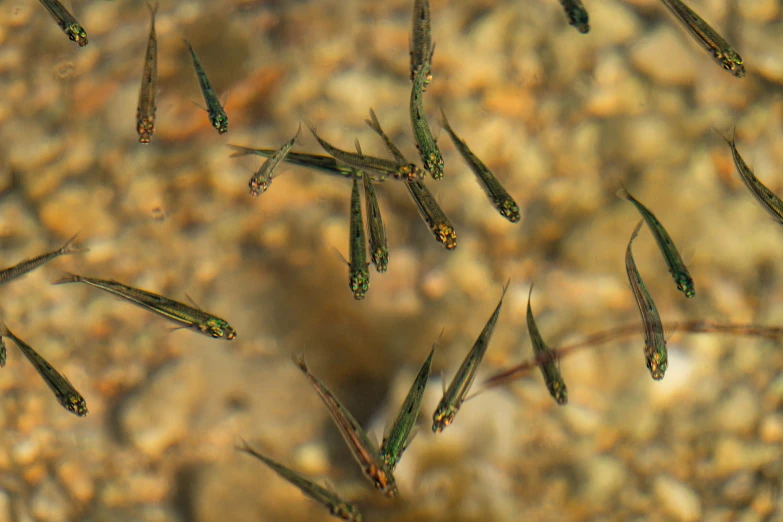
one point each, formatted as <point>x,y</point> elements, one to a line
<point>29,265</point>
<point>371,163</point>
<point>145,113</point>
<point>2,353</point>
<point>549,367</point>
<point>379,245</point>
<point>363,450</point>
<point>577,15</point>
<point>185,316</point>
<point>654,339</point>
<point>336,505</point>
<point>66,21</point>
<point>421,40</point>
<point>399,436</point>
<point>428,149</point>
<point>358,273</point>
<point>455,394</point>
<point>63,390</point>
<point>720,49</point>
<point>399,157</point>
<point>263,177</point>
<point>432,214</point>
<point>217,116</point>
<point>501,199</point>
<point>768,200</point>
<point>677,268</point>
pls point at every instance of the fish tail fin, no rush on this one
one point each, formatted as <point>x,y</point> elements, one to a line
<point>728,138</point>
<point>636,230</point>
<point>68,277</point>
<point>4,331</point>
<point>69,248</point>
<point>299,360</point>
<point>311,126</point>
<point>622,193</point>
<point>153,8</point>
<point>240,151</point>
<point>373,122</point>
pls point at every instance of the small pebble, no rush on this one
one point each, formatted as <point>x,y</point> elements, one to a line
<point>50,503</point>
<point>677,499</point>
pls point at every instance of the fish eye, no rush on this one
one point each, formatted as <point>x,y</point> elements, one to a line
<point>217,333</point>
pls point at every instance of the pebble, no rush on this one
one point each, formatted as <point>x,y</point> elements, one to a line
<point>6,515</point>
<point>739,412</point>
<point>157,415</point>
<point>679,67</point>
<point>677,499</point>
<point>771,428</point>
<point>605,477</point>
<point>740,488</point>
<point>759,10</point>
<point>733,455</point>
<point>49,502</point>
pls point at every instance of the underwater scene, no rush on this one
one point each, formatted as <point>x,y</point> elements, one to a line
<point>399,261</point>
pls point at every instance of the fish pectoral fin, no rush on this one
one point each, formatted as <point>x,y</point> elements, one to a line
<point>328,485</point>
<point>341,256</point>
<point>194,303</point>
<point>415,431</point>
<point>199,106</point>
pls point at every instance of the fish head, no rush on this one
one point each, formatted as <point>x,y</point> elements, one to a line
<point>145,129</point>
<point>446,235</point>
<point>559,391</point>
<point>382,479</point>
<point>346,512</point>
<point>218,329</point>
<point>220,122</point>
<point>74,404</point>
<point>657,365</point>
<point>509,210</point>
<point>433,163</point>
<point>685,285</point>
<point>381,259</point>
<point>442,418</point>
<point>258,186</point>
<point>77,34</point>
<point>359,283</point>
<point>732,62</point>
<point>579,19</point>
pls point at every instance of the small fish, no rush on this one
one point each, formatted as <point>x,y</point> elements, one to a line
<point>145,113</point>
<point>337,506</point>
<point>18,270</point>
<point>399,157</point>
<point>577,15</point>
<point>768,200</point>
<point>360,161</point>
<point>432,214</point>
<point>66,394</point>
<point>66,21</point>
<point>182,314</point>
<point>359,443</point>
<point>326,164</point>
<point>2,353</point>
<point>263,177</point>
<point>429,152</point>
<point>399,436</point>
<point>421,40</point>
<point>721,51</point>
<point>677,267</point>
<point>453,397</point>
<point>359,275</point>
<point>379,245</point>
<point>497,194</point>
<point>217,116</point>
<point>550,368</point>
<point>654,340</point>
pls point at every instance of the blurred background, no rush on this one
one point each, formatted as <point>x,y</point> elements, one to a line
<point>560,117</point>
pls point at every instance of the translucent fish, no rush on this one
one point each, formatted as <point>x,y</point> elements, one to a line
<point>379,245</point>
<point>359,275</point>
<point>145,113</point>
<point>577,15</point>
<point>429,152</point>
<point>421,39</point>
<point>66,21</point>
<point>18,270</point>
<point>217,116</point>
<point>432,214</point>
<point>549,367</point>
<point>263,176</point>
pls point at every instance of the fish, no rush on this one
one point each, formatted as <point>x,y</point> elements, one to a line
<point>66,21</point>
<point>362,449</point>
<point>399,436</point>
<point>319,162</point>
<point>217,116</point>
<point>145,113</point>
<point>421,39</point>
<point>432,214</point>
<point>426,144</point>
<point>358,274</point>
<point>379,245</point>
<point>768,200</point>
<point>2,353</point>
<point>398,156</point>
<point>454,395</point>
<point>185,316</point>
<point>549,366</point>
<point>677,267</point>
<point>502,201</point>
<point>363,162</point>
<point>336,505</point>
<point>654,339</point>
<point>63,390</point>
<point>577,15</point>
<point>28,265</point>
<point>721,51</point>
<point>263,176</point>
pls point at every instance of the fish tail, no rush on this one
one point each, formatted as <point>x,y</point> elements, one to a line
<point>299,360</point>
<point>4,331</point>
<point>622,193</point>
<point>444,122</point>
<point>373,122</point>
<point>153,8</point>
<point>730,140</point>
<point>636,230</point>
<point>310,125</point>
<point>239,151</point>
<point>68,247</point>
<point>68,277</point>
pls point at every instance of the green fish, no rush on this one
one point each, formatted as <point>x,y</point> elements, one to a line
<point>721,51</point>
<point>421,41</point>
<point>217,116</point>
<point>677,267</point>
<point>20,269</point>
<point>379,246</point>
<point>66,21</point>
<point>66,394</point>
<point>145,113</point>
<point>768,200</point>
<point>432,214</point>
<point>263,176</point>
<point>549,366</point>
<point>399,436</point>
<point>359,275</point>
<point>337,506</point>
<point>362,449</point>
<point>502,201</point>
<point>429,152</point>
<point>454,396</point>
<point>577,15</point>
<point>182,314</point>
<point>654,339</point>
